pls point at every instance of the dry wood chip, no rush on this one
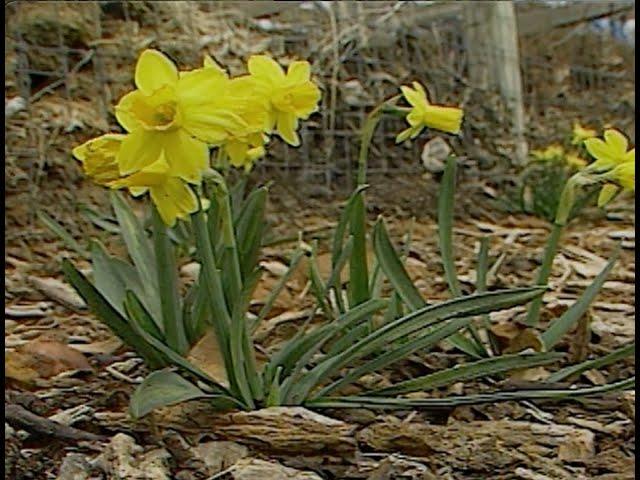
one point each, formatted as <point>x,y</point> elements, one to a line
<point>59,292</point>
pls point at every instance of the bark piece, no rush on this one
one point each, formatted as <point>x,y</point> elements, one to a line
<point>481,445</point>
<point>287,430</point>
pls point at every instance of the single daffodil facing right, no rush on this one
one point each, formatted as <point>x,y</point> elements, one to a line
<point>614,165</point>
<point>423,114</point>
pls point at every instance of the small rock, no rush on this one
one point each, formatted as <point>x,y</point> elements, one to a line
<point>577,447</point>
<point>218,456</point>
<point>74,467</point>
<point>254,469</point>
<point>434,154</point>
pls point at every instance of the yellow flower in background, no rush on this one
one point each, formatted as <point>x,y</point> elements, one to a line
<point>552,152</point>
<point>178,114</point>
<point>575,161</point>
<point>244,151</point>
<point>172,196</point>
<point>580,134</point>
<point>98,157</point>
<point>424,114</point>
<point>610,152</point>
<point>289,96</point>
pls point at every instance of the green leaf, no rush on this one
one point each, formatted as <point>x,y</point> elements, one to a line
<point>110,316</point>
<point>250,229</point>
<point>106,223</point>
<point>481,286</point>
<point>358,267</point>
<point>317,285</point>
<point>608,359</point>
<point>210,276</point>
<point>559,327</point>
<point>424,341</point>
<point>334,282</point>
<point>59,230</point>
<point>446,200</point>
<point>393,267</point>
<point>445,225</point>
<point>172,321</point>
<point>449,402</point>
<point>273,295</point>
<point>160,389</point>
<point>343,223</point>
<point>137,313</point>
<point>468,371</point>
<point>141,252</point>
<point>428,316</point>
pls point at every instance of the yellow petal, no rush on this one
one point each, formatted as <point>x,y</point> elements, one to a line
<point>237,152</point>
<point>287,125</point>
<point>209,62</point>
<point>601,151</point>
<point>153,71</point>
<point>137,191</point>
<point>173,199</point>
<point>607,193</point>
<point>125,110</point>
<point>305,99</point>
<point>415,117</point>
<point>447,119</point>
<point>616,141</point>
<point>155,174</point>
<point>139,149</point>
<point>414,97</point>
<point>405,134</point>
<point>299,72</point>
<point>625,175</point>
<point>265,68</point>
<point>630,156</point>
<point>188,157</point>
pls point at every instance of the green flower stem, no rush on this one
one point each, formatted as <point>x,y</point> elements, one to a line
<point>545,270</point>
<point>368,130</point>
<point>167,283</point>
<point>565,204</point>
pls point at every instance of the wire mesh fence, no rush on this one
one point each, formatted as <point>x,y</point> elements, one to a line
<point>68,63</point>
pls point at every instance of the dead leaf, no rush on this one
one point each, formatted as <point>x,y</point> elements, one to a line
<point>206,355</point>
<point>59,292</point>
<point>41,359</point>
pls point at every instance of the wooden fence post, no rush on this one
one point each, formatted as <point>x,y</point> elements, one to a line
<point>494,60</point>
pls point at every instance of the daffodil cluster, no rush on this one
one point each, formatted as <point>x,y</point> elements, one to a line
<point>174,117</point>
<point>556,153</point>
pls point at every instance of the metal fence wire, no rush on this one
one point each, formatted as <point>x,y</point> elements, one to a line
<point>67,64</point>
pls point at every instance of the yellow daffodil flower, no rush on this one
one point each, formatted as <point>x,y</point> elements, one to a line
<point>610,152</point>
<point>614,164</point>
<point>98,157</point>
<point>289,97</point>
<point>244,151</point>
<point>580,134</point>
<point>575,161</point>
<point>172,196</point>
<point>552,152</point>
<point>424,114</point>
<point>176,114</point>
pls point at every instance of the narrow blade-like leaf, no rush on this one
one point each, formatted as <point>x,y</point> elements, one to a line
<point>559,327</point>
<point>468,371</point>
